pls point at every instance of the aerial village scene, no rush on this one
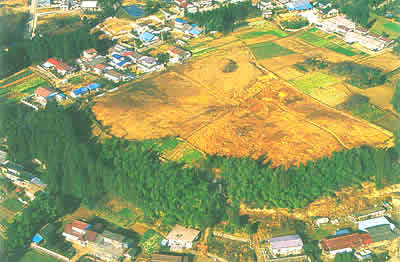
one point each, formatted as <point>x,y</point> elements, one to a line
<point>199,130</point>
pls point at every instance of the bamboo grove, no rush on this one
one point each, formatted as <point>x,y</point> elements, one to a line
<point>84,167</point>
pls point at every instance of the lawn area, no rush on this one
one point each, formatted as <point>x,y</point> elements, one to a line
<point>269,50</point>
<point>275,32</point>
<point>12,204</point>
<point>314,80</point>
<point>314,39</point>
<point>33,256</point>
<point>162,145</point>
<point>191,156</point>
<point>385,25</point>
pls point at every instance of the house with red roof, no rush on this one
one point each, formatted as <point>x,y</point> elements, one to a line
<point>43,93</point>
<point>58,65</point>
<point>345,243</point>
<point>89,54</point>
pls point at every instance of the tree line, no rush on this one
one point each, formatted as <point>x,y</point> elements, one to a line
<point>65,46</point>
<point>224,18</point>
<point>89,169</point>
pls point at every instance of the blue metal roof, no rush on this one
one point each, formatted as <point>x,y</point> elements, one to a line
<point>80,91</point>
<point>146,36</point>
<point>194,31</point>
<point>180,21</point>
<point>37,238</point>
<point>117,56</point>
<point>300,5</point>
<point>122,63</point>
<point>342,232</point>
<point>94,85</point>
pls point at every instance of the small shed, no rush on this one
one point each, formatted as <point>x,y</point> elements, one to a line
<point>37,239</point>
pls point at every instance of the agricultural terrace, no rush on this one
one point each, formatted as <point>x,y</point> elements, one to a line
<point>21,84</point>
<point>235,113</point>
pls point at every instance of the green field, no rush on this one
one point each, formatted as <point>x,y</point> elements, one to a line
<point>33,256</point>
<point>276,32</point>
<point>15,77</point>
<point>162,145</point>
<point>269,50</point>
<point>365,111</point>
<point>23,88</point>
<point>12,204</point>
<point>314,39</point>
<point>385,25</point>
<point>314,80</point>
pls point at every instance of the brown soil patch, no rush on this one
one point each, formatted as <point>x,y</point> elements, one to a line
<point>386,61</point>
<point>237,114</point>
<point>279,64</point>
<point>296,44</point>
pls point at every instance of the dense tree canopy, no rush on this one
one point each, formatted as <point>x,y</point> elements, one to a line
<point>223,19</point>
<point>80,165</point>
<point>396,97</point>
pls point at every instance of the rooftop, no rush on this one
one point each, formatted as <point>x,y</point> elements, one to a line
<point>183,234</point>
<point>168,258</point>
<point>363,225</point>
<point>113,236</point>
<point>44,91</point>
<point>353,241</point>
<point>286,241</point>
<point>381,233</point>
<point>80,225</point>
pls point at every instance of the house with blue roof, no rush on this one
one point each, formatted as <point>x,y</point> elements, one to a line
<point>148,38</point>
<point>299,5</point>
<point>37,239</point>
<point>93,87</point>
<point>179,23</point>
<point>194,31</point>
<point>79,92</point>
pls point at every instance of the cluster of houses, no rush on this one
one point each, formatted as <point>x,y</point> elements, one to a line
<point>55,65</point>
<point>89,89</point>
<point>107,246</point>
<point>354,34</point>
<point>371,233</point>
<point>70,4</point>
<point>191,30</point>
<point>22,179</point>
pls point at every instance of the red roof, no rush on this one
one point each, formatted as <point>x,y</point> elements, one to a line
<point>353,241</point>
<point>91,51</point>
<point>68,230</point>
<point>128,53</point>
<point>91,235</point>
<point>100,66</point>
<point>44,91</point>
<point>183,5</point>
<point>59,65</point>
<point>366,238</point>
<point>79,224</point>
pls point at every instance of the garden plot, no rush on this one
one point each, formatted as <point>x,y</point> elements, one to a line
<point>269,50</point>
<point>20,85</point>
<point>315,80</point>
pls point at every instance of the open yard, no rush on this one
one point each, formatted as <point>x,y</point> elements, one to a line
<point>34,256</point>
<point>269,50</point>
<point>238,113</point>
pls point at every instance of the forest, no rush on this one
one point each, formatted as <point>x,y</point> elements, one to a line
<point>65,46</point>
<point>89,169</point>
<point>396,97</point>
<point>223,19</point>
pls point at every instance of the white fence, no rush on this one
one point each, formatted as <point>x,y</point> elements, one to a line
<point>49,252</point>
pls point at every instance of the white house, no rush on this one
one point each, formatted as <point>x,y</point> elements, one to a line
<point>113,75</point>
<point>286,245</point>
<point>181,237</point>
<point>148,64</point>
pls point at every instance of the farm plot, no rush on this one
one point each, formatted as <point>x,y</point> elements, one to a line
<point>316,40</point>
<point>269,50</point>
<point>386,61</point>
<point>20,85</point>
<point>235,113</point>
<point>282,66</point>
<point>314,80</point>
<point>385,25</point>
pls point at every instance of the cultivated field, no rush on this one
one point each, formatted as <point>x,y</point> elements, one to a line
<point>240,113</point>
<point>21,84</point>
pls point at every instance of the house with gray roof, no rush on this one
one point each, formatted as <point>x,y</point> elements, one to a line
<point>286,245</point>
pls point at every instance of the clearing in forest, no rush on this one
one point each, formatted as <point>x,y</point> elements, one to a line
<point>237,112</point>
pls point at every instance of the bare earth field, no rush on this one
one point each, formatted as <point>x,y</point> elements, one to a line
<point>241,113</point>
